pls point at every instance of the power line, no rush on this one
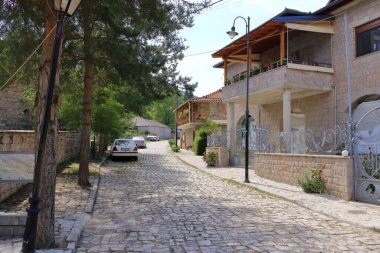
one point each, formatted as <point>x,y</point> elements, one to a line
<point>27,59</point>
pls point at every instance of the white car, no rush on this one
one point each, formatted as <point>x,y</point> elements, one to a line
<point>124,148</point>
<point>152,138</point>
<point>140,141</point>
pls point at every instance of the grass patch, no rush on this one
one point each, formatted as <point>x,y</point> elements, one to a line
<point>73,169</point>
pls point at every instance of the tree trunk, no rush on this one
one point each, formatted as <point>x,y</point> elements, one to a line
<point>103,140</point>
<point>45,226</point>
<point>83,178</point>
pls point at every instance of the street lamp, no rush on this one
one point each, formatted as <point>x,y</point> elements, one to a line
<point>232,34</point>
<point>64,8</point>
<point>176,123</point>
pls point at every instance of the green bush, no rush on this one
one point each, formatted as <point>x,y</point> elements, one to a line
<point>211,158</point>
<point>171,142</point>
<point>200,142</point>
<point>312,181</point>
<point>174,148</point>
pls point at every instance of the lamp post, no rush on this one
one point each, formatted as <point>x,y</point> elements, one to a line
<point>176,124</point>
<point>64,8</point>
<point>232,35</point>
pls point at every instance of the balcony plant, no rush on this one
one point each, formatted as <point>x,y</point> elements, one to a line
<point>312,181</point>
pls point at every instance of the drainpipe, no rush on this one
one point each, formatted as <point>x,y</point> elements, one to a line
<point>349,97</point>
<point>333,86</point>
<point>348,76</point>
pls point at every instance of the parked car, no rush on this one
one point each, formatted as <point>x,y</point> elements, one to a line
<point>124,148</point>
<point>152,138</point>
<point>140,141</point>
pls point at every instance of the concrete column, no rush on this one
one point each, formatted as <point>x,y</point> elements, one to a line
<point>287,117</point>
<point>230,124</point>
<point>231,132</point>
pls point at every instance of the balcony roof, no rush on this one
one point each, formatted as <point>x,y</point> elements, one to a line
<point>267,35</point>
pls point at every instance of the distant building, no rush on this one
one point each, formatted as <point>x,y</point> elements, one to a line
<point>193,112</point>
<point>152,127</point>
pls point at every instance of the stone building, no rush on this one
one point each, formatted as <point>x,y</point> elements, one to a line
<point>306,91</point>
<point>193,112</point>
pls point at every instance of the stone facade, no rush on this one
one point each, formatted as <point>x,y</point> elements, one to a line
<point>15,111</point>
<point>287,168</point>
<point>24,141</point>
<point>365,74</point>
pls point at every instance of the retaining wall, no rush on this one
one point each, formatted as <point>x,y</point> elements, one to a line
<point>287,168</point>
<point>24,141</point>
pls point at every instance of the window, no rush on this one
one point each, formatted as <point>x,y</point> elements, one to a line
<point>368,38</point>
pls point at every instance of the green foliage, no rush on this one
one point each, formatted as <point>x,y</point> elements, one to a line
<point>209,126</point>
<point>108,118</point>
<point>174,148</point>
<point>211,158</point>
<point>312,181</point>
<point>171,142</point>
<point>200,142</point>
<point>162,111</point>
<point>173,145</point>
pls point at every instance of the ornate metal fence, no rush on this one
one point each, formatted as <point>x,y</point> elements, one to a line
<point>258,139</point>
<point>217,140</point>
<point>330,141</point>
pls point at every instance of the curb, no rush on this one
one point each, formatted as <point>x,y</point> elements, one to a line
<point>81,220</point>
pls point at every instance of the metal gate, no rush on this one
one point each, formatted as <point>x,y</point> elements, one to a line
<point>367,157</point>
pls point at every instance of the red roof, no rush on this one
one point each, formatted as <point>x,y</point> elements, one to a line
<point>215,96</point>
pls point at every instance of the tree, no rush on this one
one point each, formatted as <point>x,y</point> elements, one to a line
<point>21,18</point>
<point>136,41</point>
<point>108,121</point>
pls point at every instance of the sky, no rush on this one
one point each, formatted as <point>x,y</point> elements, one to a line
<point>208,34</point>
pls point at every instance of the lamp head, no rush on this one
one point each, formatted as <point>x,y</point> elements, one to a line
<point>61,5</point>
<point>232,33</point>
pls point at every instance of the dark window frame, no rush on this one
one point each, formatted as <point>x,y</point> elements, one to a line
<point>364,28</point>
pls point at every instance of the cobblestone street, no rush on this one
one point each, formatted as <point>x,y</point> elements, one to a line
<point>160,204</point>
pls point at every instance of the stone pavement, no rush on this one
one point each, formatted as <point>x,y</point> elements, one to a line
<point>72,203</point>
<point>361,214</point>
<point>160,204</point>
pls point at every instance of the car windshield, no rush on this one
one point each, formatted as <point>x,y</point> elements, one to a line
<point>124,142</point>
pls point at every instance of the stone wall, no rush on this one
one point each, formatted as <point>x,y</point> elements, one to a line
<point>24,141</point>
<point>287,168</point>
<point>15,111</point>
